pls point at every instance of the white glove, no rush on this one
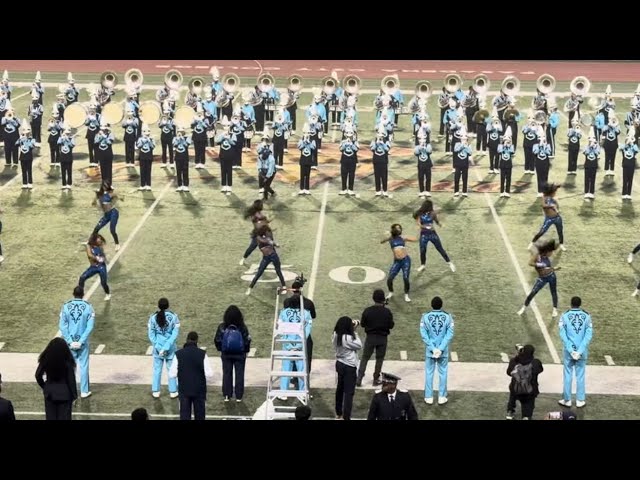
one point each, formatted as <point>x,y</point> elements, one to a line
<point>436,353</point>
<point>162,353</point>
<point>575,355</point>
<point>75,345</point>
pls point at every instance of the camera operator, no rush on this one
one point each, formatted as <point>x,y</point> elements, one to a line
<point>346,343</point>
<point>377,321</point>
<point>309,306</point>
<point>523,370</point>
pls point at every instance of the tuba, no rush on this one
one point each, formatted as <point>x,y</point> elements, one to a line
<point>133,78</point>
<point>352,84</point>
<point>265,82</point>
<point>510,86</point>
<point>173,79</point>
<point>452,83</point>
<point>109,79</point>
<point>196,85</point>
<point>580,86</point>
<point>481,83</point>
<point>390,84</point>
<point>329,86</point>
<point>546,83</point>
<point>295,83</point>
<point>423,90</point>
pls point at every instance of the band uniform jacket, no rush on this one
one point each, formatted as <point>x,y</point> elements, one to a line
<point>382,409</point>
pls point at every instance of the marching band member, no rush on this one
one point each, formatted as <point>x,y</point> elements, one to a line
<point>192,100</point>
<point>552,127</point>
<point>380,150</point>
<point>4,86</point>
<point>471,99</point>
<point>443,101</point>
<point>494,131</point>
<point>71,93</point>
<point>335,101</point>
<point>426,216</point>
<point>551,210</point>
<point>457,130</point>
<point>259,107</point>
<point>38,89</point>
<point>211,115</point>
<point>401,259</point>
<point>199,128</point>
<point>216,86</point>
<point>318,109</point>
<point>574,134</point>
<point>530,132</point>
<point>307,146</point>
<point>480,121</point>
<point>348,160</point>
<point>273,98</point>
<point>26,144</point>
<point>398,101</point>
<point>132,104</point>
<point>416,118</point>
<point>167,133</point>
<point>316,132</point>
<point>163,329</point>
<point>237,129</point>
<point>506,152</point>
<point>609,136</point>
<point>629,152</point>
<point>249,118</point>
<point>449,119</point>
<point>546,275</point>
<point>461,160</point>
<point>500,103</point>
<point>227,141</point>
<point>106,198</point>
<point>163,93</point>
<point>541,101</point>
<point>284,114</point>
<point>181,147</point>
<point>633,117</point>
<point>266,166</point>
<point>98,261</point>
<point>599,122</point>
<point>92,123</point>
<point>170,104</point>
<point>267,245</point>
<point>104,152</point>
<point>35,113</point>
<point>130,125</point>
<point>350,111</point>
<point>591,155</point>
<point>423,153</point>
<point>385,123</point>
<point>423,129</point>
<point>541,152</point>
<point>10,133</point>
<point>145,145</point>
<point>54,127</point>
<point>512,121</point>
<point>60,105</point>
<point>280,131</point>
<point>575,100</point>
<point>5,104</point>
<point>292,109</point>
<point>66,144</point>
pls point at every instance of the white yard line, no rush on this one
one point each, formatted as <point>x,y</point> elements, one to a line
<point>316,251</point>
<point>609,360</point>
<point>454,356</point>
<point>504,357</point>
<point>100,349</point>
<point>520,273</point>
<point>403,354</point>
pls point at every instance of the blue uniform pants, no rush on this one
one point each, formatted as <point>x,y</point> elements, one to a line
<point>435,239</point>
<point>430,368</point>
<point>548,221</point>
<point>158,362</point>
<point>81,357</point>
<point>110,217</point>
<point>580,367</point>
<point>405,266</point>
<point>287,366</point>
<point>540,283</point>
<point>101,270</point>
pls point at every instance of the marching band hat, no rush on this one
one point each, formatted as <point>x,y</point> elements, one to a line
<point>389,378</point>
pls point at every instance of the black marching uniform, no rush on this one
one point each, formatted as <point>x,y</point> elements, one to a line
<point>397,405</point>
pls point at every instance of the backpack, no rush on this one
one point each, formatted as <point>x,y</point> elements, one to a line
<point>521,379</point>
<point>232,341</point>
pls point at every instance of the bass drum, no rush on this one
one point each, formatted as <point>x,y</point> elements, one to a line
<point>112,113</point>
<point>150,112</point>
<point>75,115</point>
<point>248,133</point>
<point>184,116</point>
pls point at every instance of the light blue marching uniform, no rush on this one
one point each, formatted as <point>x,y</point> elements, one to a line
<point>145,144</point>
<point>211,107</point>
<point>77,319</point>
<point>320,111</point>
<point>592,152</point>
<point>424,153</point>
<point>354,116</point>
<point>292,315</point>
<point>71,93</point>
<point>554,120</point>
<point>266,166</point>
<point>576,331</point>
<point>629,151</point>
<point>436,329</point>
<point>163,340</point>
<point>249,113</point>
<point>216,88</point>
<point>67,144</point>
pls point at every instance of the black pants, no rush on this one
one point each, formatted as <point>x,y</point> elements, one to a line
<point>66,169</point>
<point>529,159</point>
<point>590,180</point>
<point>278,150</point>
<point>381,174</point>
<point>105,158</point>
<point>371,343</point>
<point>481,139</point>
<point>610,156</point>
<point>54,153</point>
<point>200,147</point>
<point>129,150</point>
<point>167,145</point>
<point>551,139</point>
<point>187,404</point>
<point>145,171</point>
<point>91,146</point>
<point>442,112</point>
<point>237,153</point>
<point>570,117</point>
<point>464,173</point>
<point>27,169</point>
<point>424,176</point>
<point>494,158</point>
<point>573,161</point>
<point>231,362</point>
<point>348,173</point>
<point>542,174</point>
<point>505,179</point>
<point>527,404</point>
<point>627,179</point>
<point>36,130</point>
<point>11,150</point>
<point>226,170</point>
<point>259,112</point>
<point>265,183</point>
<point>292,113</point>
<point>345,390</point>
<point>57,410</point>
<point>305,174</point>
<point>182,171</point>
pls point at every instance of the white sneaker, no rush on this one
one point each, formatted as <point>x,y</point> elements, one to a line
<point>148,188</point>
<point>248,292</point>
<point>379,194</point>
<point>406,298</point>
<point>173,395</point>
<point>563,248</point>
<point>452,267</point>
<point>1,259</point>
<point>502,195</point>
<point>389,295</point>
<point>25,186</point>
<point>342,192</point>
<point>530,246</point>
<point>421,194</point>
<point>580,403</point>
<point>464,194</point>
<point>630,258</point>
<point>64,187</point>
<point>261,190</point>
<point>301,192</point>
<point>428,401</point>
<point>155,394</point>
<point>427,194</point>
<point>29,186</point>
<point>117,247</point>
<point>385,194</point>
<point>164,165</point>
<point>282,398</point>
<point>307,192</point>
<point>85,395</point>
<point>554,313</point>
<point>457,194</point>
<point>565,403</point>
<point>350,192</point>
<point>229,190</point>
<point>508,195</point>
<point>421,268</point>
<point>241,262</point>
<point>442,400</point>
<point>521,311</point>
<point>107,297</point>
<point>185,189</point>
<point>313,167</point>
<point>539,195</point>
<point>286,150</point>
<point>635,293</point>
<point>179,189</point>
<point>140,188</point>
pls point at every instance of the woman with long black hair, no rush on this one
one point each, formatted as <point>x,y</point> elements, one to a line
<point>254,212</point>
<point>163,329</point>
<point>267,245</point>
<point>60,391</point>
<point>426,217</point>
<point>346,343</point>
<point>546,274</point>
<point>234,342</point>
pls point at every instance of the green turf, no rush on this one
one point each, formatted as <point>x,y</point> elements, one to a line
<point>123,399</point>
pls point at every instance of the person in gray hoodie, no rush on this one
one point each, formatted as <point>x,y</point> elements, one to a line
<point>347,343</point>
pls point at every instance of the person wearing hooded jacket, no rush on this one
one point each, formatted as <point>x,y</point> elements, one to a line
<point>527,401</point>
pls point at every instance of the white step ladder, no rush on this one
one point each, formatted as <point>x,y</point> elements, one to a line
<point>282,334</point>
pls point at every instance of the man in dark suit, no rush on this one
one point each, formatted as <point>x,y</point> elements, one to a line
<point>6,408</point>
<point>191,366</point>
<point>391,403</point>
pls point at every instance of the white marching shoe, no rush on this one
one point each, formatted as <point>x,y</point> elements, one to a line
<point>1,259</point>
<point>442,400</point>
<point>85,395</point>
<point>421,268</point>
<point>241,262</point>
<point>630,258</point>
<point>406,298</point>
<point>580,403</point>
<point>635,293</point>
<point>555,312</point>
<point>452,267</point>
<point>107,297</point>
<point>117,247</point>
<point>428,401</point>
<point>155,394</point>
<point>565,403</point>
<point>521,311</point>
<point>563,248</point>
<point>389,295</point>
<point>248,292</point>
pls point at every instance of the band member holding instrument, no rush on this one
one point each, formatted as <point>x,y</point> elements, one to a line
<point>470,103</point>
<point>511,119</point>
<point>167,133</point>
<point>237,129</point>
<point>385,123</point>
<point>457,130</point>
<point>541,261</point>
<point>629,151</point>
<point>500,103</point>
<point>266,166</point>
<point>552,127</point>
<point>591,155</point>
<point>401,259</point>
<point>71,93</point>
<point>292,109</point>
<point>573,107</point>
<point>423,129</point>
<point>25,144</point>
<point>285,117</point>
<point>461,160</point>
<point>10,132</point>
<point>131,126</point>
<point>480,120</point>
<point>350,111</point>
<point>633,118</point>
<point>248,116</point>
<point>60,105</point>
<point>273,98</point>
<point>540,101</point>
<point>599,124</point>
<point>5,104</point>
<point>426,216</point>
<point>66,144</point>
<point>92,123</point>
<point>307,146</point>
<point>494,131</point>
<point>106,198</point>
<point>380,150</point>
<point>104,152</point>
<point>551,210</point>
<point>348,160</point>
<point>530,133</point>
<point>449,120</point>
<point>506,152</point>
<point>398,101</point>
<point>54,127</point>
<point>199,127</point>
<point>541,152</point>
<point>211,115</point>
<point>35,113</point>
<point>609,136</point>
<point>145,145</point>
<point>258,107</point>
<point>181,147</point>
<point>227,141</point>
<point>280,130</point>
<point>4,86</point>
<point>316,133</point>
<point>423,153</point>
<point>574,134</point>
<point>38,89</point>
<point>317,108</point>
<point>98,263</point>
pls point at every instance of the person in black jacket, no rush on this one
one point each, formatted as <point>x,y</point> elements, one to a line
<point>391,403</point>
<point>234,353</point>
<point>60,391</point>
<point>6,408</point>
<point>527,400</point>
<point>307,304</point>
<point>377,321</point>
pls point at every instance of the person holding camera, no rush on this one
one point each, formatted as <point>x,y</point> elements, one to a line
<point>377,321</point>
<point>523,370</point>
<point>346,343</point>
